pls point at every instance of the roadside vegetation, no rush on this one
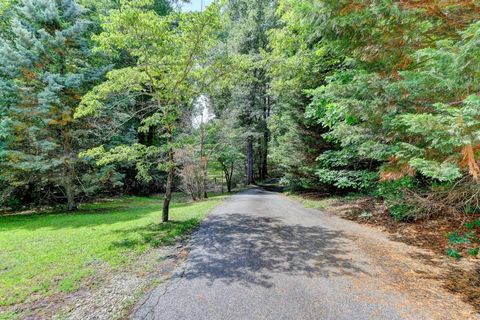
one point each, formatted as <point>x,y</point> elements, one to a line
<point>52,253</point>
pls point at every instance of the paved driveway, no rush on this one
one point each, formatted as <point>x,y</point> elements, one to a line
<point>260,255</point>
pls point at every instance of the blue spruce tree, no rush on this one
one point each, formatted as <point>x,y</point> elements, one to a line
<point>45,68</point>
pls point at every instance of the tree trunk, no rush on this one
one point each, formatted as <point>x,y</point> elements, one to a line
<point>70,189</point>
<point>169,187</point>
<point>203,160</point>
<point>250,178</point>
<point>68,174</point>
<point>229,186</point>
<point>205,178</point>
<point>228,180</point>
<point>221,183</point>
<point>266,134</point>
<point>265,155</point>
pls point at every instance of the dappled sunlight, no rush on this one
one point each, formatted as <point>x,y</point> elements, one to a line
<point>154,234</point>
<point>102,213</point>
<point>225,241</point>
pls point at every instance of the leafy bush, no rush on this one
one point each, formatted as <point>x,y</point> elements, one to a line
<point>335,168</point>
<point>473,224</point>
<point>474,251</point>
<point>456,238</point>
<point>361,180</point>
<point>393,192</point>
<point>463,242</point>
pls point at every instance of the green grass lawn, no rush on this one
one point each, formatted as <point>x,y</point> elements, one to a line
<point>44,254</point>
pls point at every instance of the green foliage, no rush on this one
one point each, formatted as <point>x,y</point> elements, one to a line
<point>453,253</point>
<point>456,238</point>
<point>473,224</point>
<point>348,179</point>
<point>335,169</point>
<point>245,97</point>
<point>464,242</point>
<point>328,94</point>
<point>471,209</point>
<point>46,65</point>
<point>393,192</point>
<point>168,51</point>
<point>474,251</point>
<point>388,88</point>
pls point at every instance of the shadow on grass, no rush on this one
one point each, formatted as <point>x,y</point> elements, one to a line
<point>155,235</point>
<point>248,249</point>
<point>89,216</point>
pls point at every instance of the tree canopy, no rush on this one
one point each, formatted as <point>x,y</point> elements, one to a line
<point>346,96</point>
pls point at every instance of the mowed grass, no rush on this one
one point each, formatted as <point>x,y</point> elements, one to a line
<point>45,254</point>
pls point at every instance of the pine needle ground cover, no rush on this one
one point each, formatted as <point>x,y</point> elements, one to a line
<point>46,254</point>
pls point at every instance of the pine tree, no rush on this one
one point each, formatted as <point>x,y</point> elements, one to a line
<point>46,67</point>
<point>251,22</point>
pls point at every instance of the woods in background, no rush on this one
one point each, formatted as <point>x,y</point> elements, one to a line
<point>379,97</point>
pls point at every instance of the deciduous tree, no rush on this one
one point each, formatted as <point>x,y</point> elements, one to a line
<point>170,54</point>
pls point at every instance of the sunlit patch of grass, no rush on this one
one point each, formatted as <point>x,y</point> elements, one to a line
<point>10,315</point>
<point>319,204</point>
<point>44,254</point>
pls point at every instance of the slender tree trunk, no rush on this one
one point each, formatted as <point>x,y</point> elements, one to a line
<point>203,159</point>
<point>259,158</point>
<point>68,168</point>
<point>169,187</point>
<point>250,177</point>
<point>266,134</point>
<point>265,155</point>
<point>205,178</point>
<point>229,185</point>
<point>68,174</point>
<point>70,189</point>
<point>230,179</point>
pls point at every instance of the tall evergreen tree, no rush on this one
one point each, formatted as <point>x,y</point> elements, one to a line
<point>46,66</point>
<point>251,22</point>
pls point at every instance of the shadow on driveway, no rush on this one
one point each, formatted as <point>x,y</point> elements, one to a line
<point>251,250</point>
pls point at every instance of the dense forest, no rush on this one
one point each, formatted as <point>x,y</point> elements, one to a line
<point>135,97</point>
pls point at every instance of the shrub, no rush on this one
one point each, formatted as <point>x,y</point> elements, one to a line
<point>361,180</point>
<point>474,251</point>
<point>453,253</point>
<point>394,193</point>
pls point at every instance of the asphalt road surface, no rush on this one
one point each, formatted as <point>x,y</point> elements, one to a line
<point>260,255</point>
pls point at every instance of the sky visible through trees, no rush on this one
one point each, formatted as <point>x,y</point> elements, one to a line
<point>196,5</point>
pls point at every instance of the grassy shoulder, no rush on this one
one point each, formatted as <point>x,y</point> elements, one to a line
<point>46,254</point>
<point>313,203</point>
